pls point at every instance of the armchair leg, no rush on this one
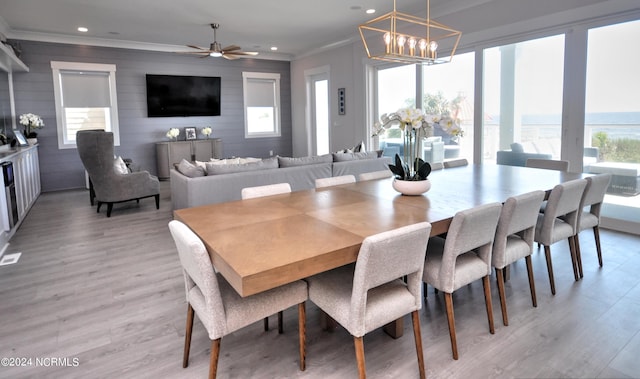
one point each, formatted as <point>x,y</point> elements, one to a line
<point>596,235</point>
<point>302,330</point>
<point>547,253</point>
<point>109,209</point>
<point>280,324</point>
<point>574,259</point>
<point>157,201</point>
<point>532,284</point>
<point>213,361</point>
<point>99,205</point>
<point>576,241</point>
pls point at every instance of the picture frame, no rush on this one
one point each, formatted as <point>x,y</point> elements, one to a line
<point>190,133</point>
<point>20,138</point>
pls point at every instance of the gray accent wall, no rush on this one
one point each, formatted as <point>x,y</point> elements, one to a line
<point>62,169</point>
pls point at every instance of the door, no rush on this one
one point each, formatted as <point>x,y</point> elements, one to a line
<point>319,113</point>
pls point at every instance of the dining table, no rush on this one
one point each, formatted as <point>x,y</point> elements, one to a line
<point>262,243</point>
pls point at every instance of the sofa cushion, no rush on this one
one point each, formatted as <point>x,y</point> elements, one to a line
<point>187,168</point>
<point>343,157</point>
<point>214,168</point>
<point>303,161</point>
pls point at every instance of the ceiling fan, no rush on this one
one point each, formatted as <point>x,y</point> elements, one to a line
<point>215,49</point>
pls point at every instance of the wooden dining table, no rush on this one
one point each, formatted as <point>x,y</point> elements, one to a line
<point>263,243</point>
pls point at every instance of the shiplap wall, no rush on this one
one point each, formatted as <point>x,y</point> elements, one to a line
<point>62,169</point>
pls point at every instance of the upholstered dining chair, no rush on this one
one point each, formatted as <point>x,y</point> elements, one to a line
<point>593,197</point>
<point>260,191</point>
<point>335,181</point>
<point>372,293</point>
<point>548,164</point>
<point>95,148</point>
<point>456,163</point>
<point>266,190</point>
<point>383,174</point>
<point>462,258</point>
<point>559,221</point>
<point>514,240</point>
<point>219,307</point>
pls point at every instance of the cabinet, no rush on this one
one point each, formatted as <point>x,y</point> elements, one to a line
<point>169,153</point>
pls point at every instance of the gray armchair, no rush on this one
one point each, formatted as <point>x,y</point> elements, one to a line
<point>96,152</point>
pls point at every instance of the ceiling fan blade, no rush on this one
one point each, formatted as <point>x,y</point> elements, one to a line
<point>205,52</point>
<point>230,57</point>
<point>231,48</point>
<point>196,47</point>
<point>242,53</point>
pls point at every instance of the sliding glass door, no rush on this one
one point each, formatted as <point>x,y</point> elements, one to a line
<point>612,116</point>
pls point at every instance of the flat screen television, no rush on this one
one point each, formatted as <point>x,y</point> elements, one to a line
<point>182,96</point>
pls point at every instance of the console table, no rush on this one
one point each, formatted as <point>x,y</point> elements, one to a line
<point>169,153</point>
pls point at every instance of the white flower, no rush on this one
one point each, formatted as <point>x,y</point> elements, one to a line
<point>31,120</point>
<point>173,133</point>
<point>206,130</point>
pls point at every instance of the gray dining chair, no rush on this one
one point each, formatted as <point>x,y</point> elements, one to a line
<point>266,190</point>
<point>462,258</point>
<point>371,293</point>
<point>459,162</point>
<point>382,174</point>
<point>559,221</point>
<point>219,307</point>
<point>548,164</point>
<point>593,197</point>
<point>335,181</point>
<point>514,241</point>
<point>261,191</point>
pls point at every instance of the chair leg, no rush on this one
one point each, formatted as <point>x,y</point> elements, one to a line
<point>415,316</point>
<point>99,205</point>
<point>109,209</point>
<point>532,284</point>
<point>157,201</point>
<point>187,337</point>
<point>596,235</point>
<point>574,259</point>
<point>448,300</point>
<point>302,329</point>
<point>547,254</point>
<point>503,300</point>
<point>576,241</point>
<point>486,283</point>
<point>266,324</point>
<point>359,345</point>
<point>213,361</point>
<point>280,326</point>
<point>424,290</point>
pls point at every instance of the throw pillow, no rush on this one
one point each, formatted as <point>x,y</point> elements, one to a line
<point>303,161</point>
<point>186,168</point>
<point>517,148</point>
<point>119,166</point>
<point>218,169</point>
<point>359,148</point>
<point>343,157</point>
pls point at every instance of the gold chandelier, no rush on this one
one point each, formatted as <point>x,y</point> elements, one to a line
<point>404,38</point>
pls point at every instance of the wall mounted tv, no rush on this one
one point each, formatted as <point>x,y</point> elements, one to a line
<point>182,96</point>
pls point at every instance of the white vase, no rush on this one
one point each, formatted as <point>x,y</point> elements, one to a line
<point>411,187</point>
<point>32,141</point>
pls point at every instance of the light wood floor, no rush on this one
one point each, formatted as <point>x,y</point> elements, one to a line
<point>109,292</point>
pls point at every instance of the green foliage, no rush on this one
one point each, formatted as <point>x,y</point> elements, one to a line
<point>401,169</point>
<point>616,150</point>
<point>436,104</point>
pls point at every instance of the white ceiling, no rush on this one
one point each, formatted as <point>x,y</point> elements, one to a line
<point>297,27</point>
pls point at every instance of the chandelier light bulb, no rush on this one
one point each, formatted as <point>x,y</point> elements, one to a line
<point>401,40</point>
<point>423,47</point>
<point>412,46</point>
<point>433,46</point>
<point>387,42</point>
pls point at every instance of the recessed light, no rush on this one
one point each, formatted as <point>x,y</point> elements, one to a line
<point>82,29</point>
<point>274,48</point>
<point>370,11</point>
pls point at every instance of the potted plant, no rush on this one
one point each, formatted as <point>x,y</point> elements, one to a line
<point>30,122</point>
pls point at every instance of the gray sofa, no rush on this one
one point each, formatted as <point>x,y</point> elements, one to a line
<point>300,173</point>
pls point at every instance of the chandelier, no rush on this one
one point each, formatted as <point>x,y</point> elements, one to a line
<point>404,38</point>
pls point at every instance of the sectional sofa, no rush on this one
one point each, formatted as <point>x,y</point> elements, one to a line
<point>216,183</point>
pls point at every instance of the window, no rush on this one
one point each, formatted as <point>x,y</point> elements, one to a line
<point>85,96</point>
<point>396,88</point>
<point>261,104</point>
<point>522,97</point>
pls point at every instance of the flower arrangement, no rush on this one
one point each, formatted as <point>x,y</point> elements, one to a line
<point>206,131</point>
<point>173,133</point>
<point>415,125</point>
<point>31,121</point>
